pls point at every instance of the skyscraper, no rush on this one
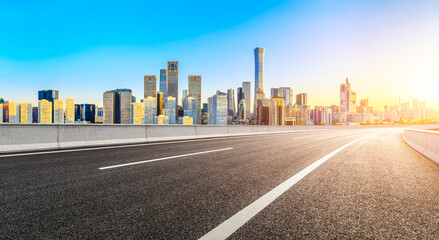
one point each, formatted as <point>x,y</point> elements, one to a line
<point>347,98</point>
<point>85,113</point>
<point>25,112</point>
<point>220,108</point>
<point>164,83</point>
<point>190,109</point>
<point>287,94</point>
<point>242,110</point>
<point>1,113</point>
<point>173,82</point>
<point>194,87</point>
<point>159,103</point>
<point>70,110</point>
<point>149,86</point>
<point>275,92</point>
<point>58,111</point>
<point>14,112</point>
<point>263,112</point>
<point>231,103</point>
<point>49,95</point>
<point>259,71</point>
<point>44,111</point>
<point>150,110</point>
<point>301,99</point>
<point>138,112</point>
<point>247,95</point>
<point>170,109</point>
<point>117,106</point>
<point>277,111</point>
<point>210,110</point>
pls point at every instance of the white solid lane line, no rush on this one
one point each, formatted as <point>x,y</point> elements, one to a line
<point>164,158</point>
<point>231,225</point>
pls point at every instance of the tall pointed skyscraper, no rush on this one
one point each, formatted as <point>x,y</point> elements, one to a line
<point>173,82</point>
<point>259,72</point>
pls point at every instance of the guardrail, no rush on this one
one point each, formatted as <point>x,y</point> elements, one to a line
<point>425,142</point>
<point>38,137</point>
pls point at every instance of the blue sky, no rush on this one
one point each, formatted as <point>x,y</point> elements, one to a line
<point>388,48</point>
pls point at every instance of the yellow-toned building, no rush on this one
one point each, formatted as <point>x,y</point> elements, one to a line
<point>25,112</point>
<point>162,119</point>
<point>14,112</point>
<point>44,111</point>
<point>186,120</point>
<point>58,111</point>
<point>70,110</point>
<point>138,110</point>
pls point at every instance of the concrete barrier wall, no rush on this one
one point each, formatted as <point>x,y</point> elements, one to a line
<point>425,142</point>
<point>37,137</point>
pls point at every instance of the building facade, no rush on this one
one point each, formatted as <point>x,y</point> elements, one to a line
<point>164,83</point>
<point>220,108</point>
<point>149,86</point>
<point>70,110</point>
<point>302,99</point>
<point>44,111</point>
<point>231,112</point>
<point>194,88</point>
<point>347,98</point>
<point>26,112</point>
<point>173,82</point>
<point>117,106</point>
<point>246,90</point>
<point>259,71</point>
<point>277,111</point>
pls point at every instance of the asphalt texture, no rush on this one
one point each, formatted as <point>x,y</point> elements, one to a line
<point>376,188</point>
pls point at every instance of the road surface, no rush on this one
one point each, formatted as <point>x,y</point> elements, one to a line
<point>325,184</point>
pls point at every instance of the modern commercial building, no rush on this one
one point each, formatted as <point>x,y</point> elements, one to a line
<point>160,104</point>
<point>49,95</point>
<point>259,71</point>
<point>85,113</point>
<point>173,82</point>
<point>1,113</point>
<point>194,87</point>
<point>191,108</point>
<point>277,111</point>
<point>242,110</point>
<point>263,112</point>
<point>14,112</point>
<point>100,115</point>
<point>210,110</point>
<point>164,83</point>
<point>70,110</point>
<point>161,120</point>
<point>302,99</point>
<point>150,110</point>
<point>347,98</point>
<point>185,121</point>
<point>117,106</point>
<point>58,111</point>
<point>44,111</point>
<point>220,108</point>
<point>287,94</point>
<point>170,109</point>
<point>231,112</point>
<point>274,92</point>
<point>25,112</point>
<point>35,114</point>
<point>246,88</point>
<point>149,86</point>
<point>138,112</point>
<point>6,111</point>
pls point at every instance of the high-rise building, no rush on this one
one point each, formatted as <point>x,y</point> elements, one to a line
<point>85,113</point>
<point>173,82</point>
<point>164,83</point>
<point>160,103</point>
<point>220,108</point>
<point>275,92</point>
<point>210,110</point>
<point>263,112</point>
<point>231,112</point>
<point>150,110</point>
<point>287,94</point>
<point>302,99</point>
<point>277,111</point>
<point>185,121</point>
<point>170,109</point>
<point>138,112</point>
<point>70,110</point>
<point>191,107</point>
<point>259,72</point>
<point>149,86</point>
<point>49,95</point>
<point>14,112</point>
<point>247,96</point>
<point>100,115</point>
<point>161,120</point>
<point>347,98</point>
<point>44,111</point>
<point>117,106</point>
<point>194,87</point>
<point>58,111</point>
<point>25,112</point>
<point>35,114</point>
<point>242,110</point>
<point>6,111</point>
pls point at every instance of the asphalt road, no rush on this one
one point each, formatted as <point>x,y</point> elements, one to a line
<point>374,188</point>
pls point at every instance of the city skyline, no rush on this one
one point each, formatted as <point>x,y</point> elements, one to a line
<point>385,63</point>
